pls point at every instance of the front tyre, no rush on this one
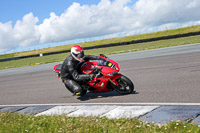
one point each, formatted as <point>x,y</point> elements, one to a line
<point>126,86</point>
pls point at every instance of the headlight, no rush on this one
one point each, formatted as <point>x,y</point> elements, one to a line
<point>112,74</point>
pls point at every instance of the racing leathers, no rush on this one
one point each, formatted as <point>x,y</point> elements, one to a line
<point>71,76</point>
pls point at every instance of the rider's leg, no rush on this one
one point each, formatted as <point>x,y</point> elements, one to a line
<point>73,86</point>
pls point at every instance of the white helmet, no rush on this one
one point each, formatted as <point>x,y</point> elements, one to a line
<point>77,52</point>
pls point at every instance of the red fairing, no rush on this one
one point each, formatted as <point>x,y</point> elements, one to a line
<point>109,71</point>
<point>116,76</point>
<point>86,68</point>
<point>55,68</point>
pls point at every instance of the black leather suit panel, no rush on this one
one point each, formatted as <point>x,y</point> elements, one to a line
<point>70,75</point>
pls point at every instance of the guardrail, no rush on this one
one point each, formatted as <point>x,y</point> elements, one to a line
<point>108,45</point>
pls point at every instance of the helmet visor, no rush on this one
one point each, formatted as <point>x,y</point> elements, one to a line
<point>79,56</point>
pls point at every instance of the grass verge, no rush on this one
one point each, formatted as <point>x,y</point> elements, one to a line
<point>106,51</point>
<point>20,123</point>
<point>108,41</point>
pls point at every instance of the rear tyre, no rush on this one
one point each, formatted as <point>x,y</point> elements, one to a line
<point>126,86</point>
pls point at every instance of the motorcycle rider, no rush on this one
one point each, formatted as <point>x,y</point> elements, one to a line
<point>69,72</point>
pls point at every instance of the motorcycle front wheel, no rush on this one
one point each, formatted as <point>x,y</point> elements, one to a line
<point>126,86</point>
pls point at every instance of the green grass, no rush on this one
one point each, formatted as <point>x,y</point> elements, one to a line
<point>7,56</point>
<point>108,41</point>
<point>20,123</point>
<point>106,51</point>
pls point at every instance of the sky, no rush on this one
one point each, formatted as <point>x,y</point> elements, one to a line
<point>34,24</point>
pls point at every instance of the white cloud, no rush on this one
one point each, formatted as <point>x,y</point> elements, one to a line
<point>25,31</point>
<point>6,37</point>
<point>156,12</point>
<point>105,18</point>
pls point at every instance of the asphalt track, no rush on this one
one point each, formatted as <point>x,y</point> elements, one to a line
<point>169,75</point>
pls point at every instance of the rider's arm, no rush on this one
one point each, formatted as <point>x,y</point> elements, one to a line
<point>76,76</point>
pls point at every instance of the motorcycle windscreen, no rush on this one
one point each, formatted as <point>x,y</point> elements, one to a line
<point>106,63</point>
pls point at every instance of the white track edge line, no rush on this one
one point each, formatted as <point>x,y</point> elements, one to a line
<point>127,104</point>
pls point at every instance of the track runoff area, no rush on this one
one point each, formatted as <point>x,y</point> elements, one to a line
<point>186,107</point>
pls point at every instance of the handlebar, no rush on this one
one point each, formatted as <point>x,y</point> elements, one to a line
<point>103,56</point>
<point>97,72</point>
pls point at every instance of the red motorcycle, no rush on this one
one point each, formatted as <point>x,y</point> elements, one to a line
<point>107,76</point>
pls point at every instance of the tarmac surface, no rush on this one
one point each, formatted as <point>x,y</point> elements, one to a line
<point>167,85</point>
<point>172,78</point>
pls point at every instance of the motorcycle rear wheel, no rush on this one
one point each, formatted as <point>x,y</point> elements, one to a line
<point>126,86</point>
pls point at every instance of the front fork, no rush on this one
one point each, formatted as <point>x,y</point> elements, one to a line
<point>114,78</point>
